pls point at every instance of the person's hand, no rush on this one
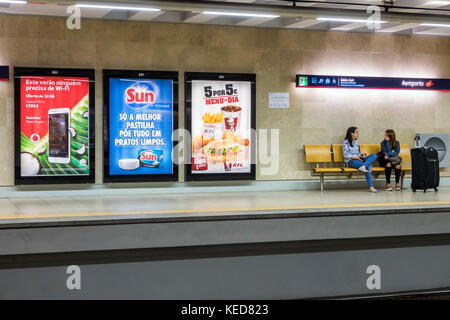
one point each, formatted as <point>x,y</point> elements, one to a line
<point>386,157</point>
<point>363,154</point>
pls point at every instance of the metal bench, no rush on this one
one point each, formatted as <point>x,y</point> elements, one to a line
<point>329,160</point>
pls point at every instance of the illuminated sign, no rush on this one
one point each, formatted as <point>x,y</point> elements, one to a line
<point>54,125</point>
<point>349,82</point>
<point>220,113</point>
<point>4,73</point>
<point>139,112</point>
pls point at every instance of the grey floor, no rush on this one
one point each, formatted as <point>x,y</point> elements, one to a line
<point>15,210</point>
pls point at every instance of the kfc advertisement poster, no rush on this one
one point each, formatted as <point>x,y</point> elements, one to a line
<point>221,126</point>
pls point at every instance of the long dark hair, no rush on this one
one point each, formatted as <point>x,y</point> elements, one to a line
<point>348,135</point>
<point>392,139</point>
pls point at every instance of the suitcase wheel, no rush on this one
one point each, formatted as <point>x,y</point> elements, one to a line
<point>436,189</point>
<point>414,190</point>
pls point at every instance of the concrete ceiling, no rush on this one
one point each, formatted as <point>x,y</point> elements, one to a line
<point>404,17</point>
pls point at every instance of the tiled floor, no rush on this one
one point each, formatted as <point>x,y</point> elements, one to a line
<point>14,210</point>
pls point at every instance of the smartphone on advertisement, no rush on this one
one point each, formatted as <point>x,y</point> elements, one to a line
<point>59,135</point>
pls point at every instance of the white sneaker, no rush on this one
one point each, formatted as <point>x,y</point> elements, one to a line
<point>373,190</point>
<point>363,169</point>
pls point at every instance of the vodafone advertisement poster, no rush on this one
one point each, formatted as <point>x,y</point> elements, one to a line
<point>221,126</point>
<point>54,126</point>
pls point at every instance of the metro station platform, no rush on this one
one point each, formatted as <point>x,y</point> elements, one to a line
<point>61,210</point>
<point>211,218</point>
<point>160,245</point>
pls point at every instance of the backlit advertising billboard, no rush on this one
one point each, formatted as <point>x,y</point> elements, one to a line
<point>4,73</point>
<point>220,116</point>
<point>140,116</point>
<point>54,118</point>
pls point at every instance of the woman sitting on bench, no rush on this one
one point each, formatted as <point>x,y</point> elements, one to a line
<point>354,158</point>
<point>390,148</point>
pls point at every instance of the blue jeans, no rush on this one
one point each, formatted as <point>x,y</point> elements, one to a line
<point>368,163</point>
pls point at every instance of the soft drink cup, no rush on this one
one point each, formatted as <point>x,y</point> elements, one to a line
<point>231,117</point>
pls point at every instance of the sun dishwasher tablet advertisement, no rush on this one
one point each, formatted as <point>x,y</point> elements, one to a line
<point>54,126</point>
<point>140,135</point>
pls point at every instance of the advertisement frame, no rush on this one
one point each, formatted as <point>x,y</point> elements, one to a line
<point>4,73</point>
<point>205,76</point>
<point>145,74</point>
<point>52,72</point>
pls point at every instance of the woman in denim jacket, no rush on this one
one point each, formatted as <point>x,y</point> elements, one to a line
<point>390,149</point>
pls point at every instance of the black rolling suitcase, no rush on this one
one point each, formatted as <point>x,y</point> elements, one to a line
<point>425,169</point>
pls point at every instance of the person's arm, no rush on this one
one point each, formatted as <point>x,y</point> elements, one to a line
<point>384,148</point>
<point>392,153</point>
<point>396,151</point>
<point>347,151</point>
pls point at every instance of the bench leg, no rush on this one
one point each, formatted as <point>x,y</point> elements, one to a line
<point>321,182</point>
<point>402,179</point>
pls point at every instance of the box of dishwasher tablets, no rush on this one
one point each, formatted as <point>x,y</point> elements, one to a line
<point>150,158</point>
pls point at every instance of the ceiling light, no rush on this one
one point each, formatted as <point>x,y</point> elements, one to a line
<point>241,14</point>
<point>435,25</point>
<point>13,1</point>
<point>436,4</point>
<point>114,7</point>
<point>349,20</point>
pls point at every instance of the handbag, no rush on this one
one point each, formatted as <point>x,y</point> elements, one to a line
<point>395,160</point>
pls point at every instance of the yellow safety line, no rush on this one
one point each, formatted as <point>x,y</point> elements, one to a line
<point>215,210</point>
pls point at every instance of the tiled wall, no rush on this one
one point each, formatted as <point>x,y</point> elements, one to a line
<point>275,55</point>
